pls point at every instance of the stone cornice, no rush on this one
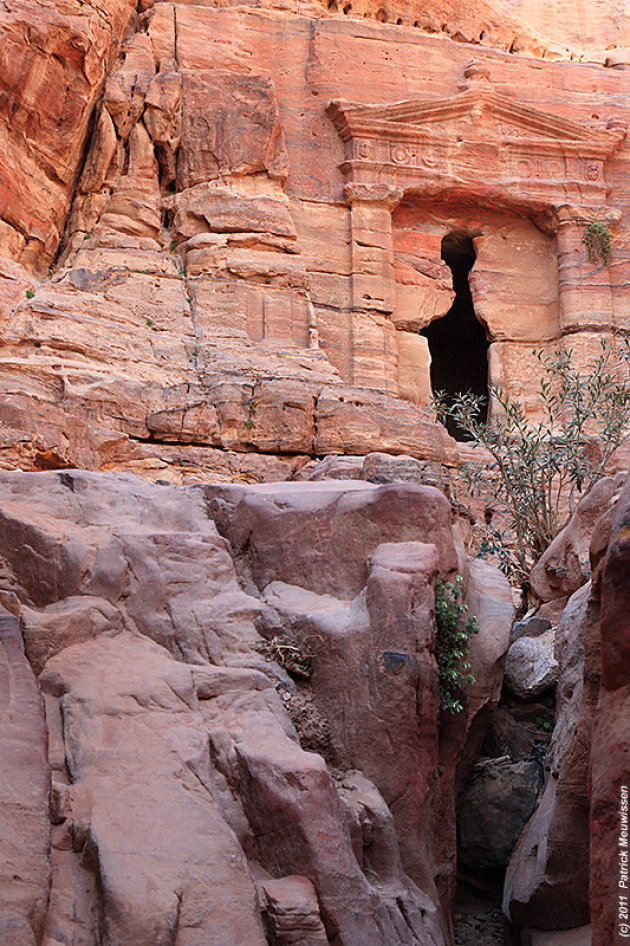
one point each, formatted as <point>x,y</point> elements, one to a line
<point>478,143</point>
<point>515,124</point>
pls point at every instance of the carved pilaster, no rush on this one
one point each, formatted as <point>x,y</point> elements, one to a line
<point>372,245</point>
<point>584,288</point>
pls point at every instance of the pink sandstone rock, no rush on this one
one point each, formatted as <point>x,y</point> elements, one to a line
<point>179,780</point>
<point>168,865</point>
<point>547,882</point>
<point>24,785</point>
<point>609,756</point>
<point>565,566</point>
<point>232,281</point>
<point>325,522</point>
<point>220,238</point>
<point>292,912</point>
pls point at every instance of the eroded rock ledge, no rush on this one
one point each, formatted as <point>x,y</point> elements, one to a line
<point>182,803</point>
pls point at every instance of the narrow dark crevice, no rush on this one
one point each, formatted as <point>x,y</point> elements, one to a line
<point>500,796</point>
<point>457,341</point>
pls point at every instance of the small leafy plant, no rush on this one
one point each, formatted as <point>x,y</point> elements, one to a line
<point>544,723</point>
<point>453,636</point>
<point>598,243</point>
<point>251,414</point>
<point>29,294</point>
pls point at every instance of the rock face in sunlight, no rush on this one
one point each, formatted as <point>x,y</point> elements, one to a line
<point>198,790</point>
<point>223,228</point>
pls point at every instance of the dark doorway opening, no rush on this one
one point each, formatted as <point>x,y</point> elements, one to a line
<point>457,341</point>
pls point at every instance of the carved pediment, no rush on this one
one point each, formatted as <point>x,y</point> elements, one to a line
<point>478,142</point>
<point>468,111</point>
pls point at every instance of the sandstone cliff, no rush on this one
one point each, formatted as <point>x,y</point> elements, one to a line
<point>226,232</point>
<point>207,270</point>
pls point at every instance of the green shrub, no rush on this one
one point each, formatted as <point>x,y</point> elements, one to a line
<point>251,414</point>
<point>538,471</point>
<point>453,635</point>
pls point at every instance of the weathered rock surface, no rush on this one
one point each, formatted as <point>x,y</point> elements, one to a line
<point>25,829</point>
<point>610,761</point>
<point>530,627</point>
<point>547,881</point>
<point>488,597</point>
<point>323,522</point>
<point>548,31</point>
<point>182,805</point>
<point>54,61</point>
<point>507,737</point>
<point>220,240</point>
<point>205,275</point>
<point>566,564</point>
<point>292,912</point>
<point>139,805</point>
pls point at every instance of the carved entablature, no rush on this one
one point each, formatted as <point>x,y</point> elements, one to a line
<point>477,145</point>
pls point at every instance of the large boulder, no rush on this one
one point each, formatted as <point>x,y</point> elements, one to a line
<point>494,808</point>
<point>531,667</point>
<point>319,535</point>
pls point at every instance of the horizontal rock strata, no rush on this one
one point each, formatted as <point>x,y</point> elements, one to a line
<point>207,272</point>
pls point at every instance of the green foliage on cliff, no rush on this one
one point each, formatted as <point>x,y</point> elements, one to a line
<point>453,635</point>
<point>598,243</point>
